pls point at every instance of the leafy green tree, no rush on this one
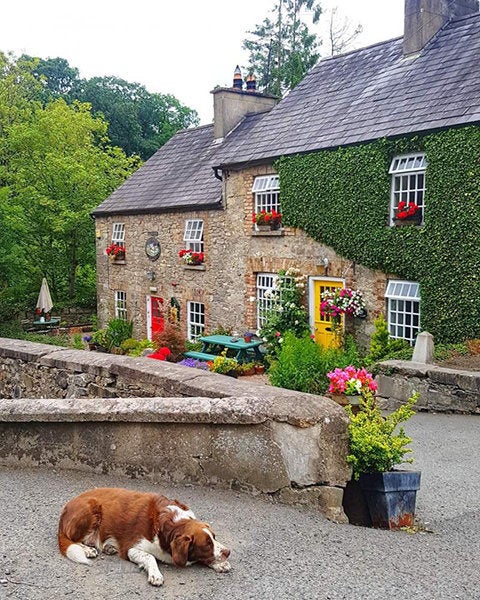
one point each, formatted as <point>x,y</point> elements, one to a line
<point>139,122</point>
<point>281,49</point>
<point>56,75</point>
<point>59,167</point>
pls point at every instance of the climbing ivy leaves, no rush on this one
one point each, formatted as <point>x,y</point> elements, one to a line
<point>342,198</point>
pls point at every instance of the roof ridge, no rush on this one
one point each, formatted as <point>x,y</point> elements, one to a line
<point>399,37</point>
<point>189,129</point>
<point>464,17</point>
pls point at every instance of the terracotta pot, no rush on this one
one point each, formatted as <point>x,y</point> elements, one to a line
<point>250,372</point>
<point>247,338</point>
<point>344,400</point>
<point>259,369</point>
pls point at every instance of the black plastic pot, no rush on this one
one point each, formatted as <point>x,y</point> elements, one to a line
<point>391,497</point>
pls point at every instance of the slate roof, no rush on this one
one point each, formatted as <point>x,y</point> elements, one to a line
<point>179,175</point>
<point>371,93</point>
<point>357,97</point>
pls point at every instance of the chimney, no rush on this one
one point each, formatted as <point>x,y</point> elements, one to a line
<point>424,18</point>
<point>230,105</point>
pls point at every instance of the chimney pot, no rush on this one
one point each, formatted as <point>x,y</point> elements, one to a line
<point>237,79</point>
<point>251,83</point>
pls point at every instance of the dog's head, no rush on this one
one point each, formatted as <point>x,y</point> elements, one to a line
<point>194,541</point>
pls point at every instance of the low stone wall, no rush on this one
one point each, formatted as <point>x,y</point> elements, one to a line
<point>141,417</point>
<point>440,389</point>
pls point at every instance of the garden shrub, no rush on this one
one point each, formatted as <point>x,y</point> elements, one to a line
<point>173,338</point>
<point>303,365</point>
<point>117,331</point>
<point>374,444</point>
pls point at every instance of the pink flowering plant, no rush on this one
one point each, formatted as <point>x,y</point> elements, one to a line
<point>342,301</point>
<point>351,381</point>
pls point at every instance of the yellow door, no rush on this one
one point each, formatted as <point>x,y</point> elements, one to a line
<point>324,334</point>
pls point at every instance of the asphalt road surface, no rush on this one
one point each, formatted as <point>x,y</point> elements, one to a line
<point>278,552</point>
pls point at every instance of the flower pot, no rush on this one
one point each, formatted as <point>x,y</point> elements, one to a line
<point>232,373</point>
<point>247,338</point>
<point>259,369</point>
<point>415,220</point>
<point>344,400</point>
<point>390,497</point>
<point>250,372</point>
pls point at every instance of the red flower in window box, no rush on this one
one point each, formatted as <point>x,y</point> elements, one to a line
<point>115,251</point>
<point>191,258</point>
<point>264,217</point>
<point>408,212</point>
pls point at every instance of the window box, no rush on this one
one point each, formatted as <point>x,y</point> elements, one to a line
<point>268,233</point>
<point>415,220</point>
<point>194,267</point>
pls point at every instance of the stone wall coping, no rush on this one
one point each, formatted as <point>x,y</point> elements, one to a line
<point>181,384</point>
<point>214,411</point>
<point>414,369</point>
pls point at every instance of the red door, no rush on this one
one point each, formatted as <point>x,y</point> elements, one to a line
<point>157,315</point>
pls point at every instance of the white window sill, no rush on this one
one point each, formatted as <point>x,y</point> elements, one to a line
<point>194,267</point>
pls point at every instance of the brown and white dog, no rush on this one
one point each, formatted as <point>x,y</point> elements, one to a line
<point>141,527</point>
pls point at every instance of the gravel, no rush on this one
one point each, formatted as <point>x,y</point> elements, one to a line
<point>278,552</point>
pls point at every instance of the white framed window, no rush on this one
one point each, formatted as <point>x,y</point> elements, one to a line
<point>403,309</point>
<point>408,182</point>
<point>121,305</point>
<point>195,320</point>
<point>193,235</point>
<point>266,292</point>
<point>118,234</point>
<point>267,193</point>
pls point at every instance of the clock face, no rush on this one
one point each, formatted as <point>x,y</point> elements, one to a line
<point>152,248</point>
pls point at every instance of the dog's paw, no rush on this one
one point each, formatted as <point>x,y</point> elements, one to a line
<point>90,552</point>
<point>109,549</point>
<point>221,567</point>
<point>156,579</point>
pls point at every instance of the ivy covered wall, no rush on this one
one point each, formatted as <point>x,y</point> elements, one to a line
<point>342,198</point>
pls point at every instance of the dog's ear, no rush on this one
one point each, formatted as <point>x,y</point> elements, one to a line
<point>180,547</point>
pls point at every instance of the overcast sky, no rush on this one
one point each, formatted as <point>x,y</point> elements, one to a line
<point>184,48</point>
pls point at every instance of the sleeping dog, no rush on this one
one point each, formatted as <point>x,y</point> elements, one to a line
<point>141,527</point>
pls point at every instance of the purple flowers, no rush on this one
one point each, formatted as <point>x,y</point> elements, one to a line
<point>87,338</point>
<point>196,364</point>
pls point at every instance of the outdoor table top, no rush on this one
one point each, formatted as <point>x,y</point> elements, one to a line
<point>53,321</point>
<point>229,341</point>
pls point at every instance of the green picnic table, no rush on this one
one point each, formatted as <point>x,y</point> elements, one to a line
<point>213,345</point>
<point>52,322</point>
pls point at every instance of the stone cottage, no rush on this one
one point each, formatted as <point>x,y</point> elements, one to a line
<point>198,192</point>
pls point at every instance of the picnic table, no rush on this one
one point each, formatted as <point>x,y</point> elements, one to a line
<point>213,345</point>
<point>53,322</point>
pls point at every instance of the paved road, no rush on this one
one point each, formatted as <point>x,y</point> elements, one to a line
<point>278,552</point>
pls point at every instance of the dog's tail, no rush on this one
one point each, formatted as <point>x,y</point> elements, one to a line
<point>71,550</point>
<point>78,519</point>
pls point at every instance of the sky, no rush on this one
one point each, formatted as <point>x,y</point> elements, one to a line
<point>184,49</point>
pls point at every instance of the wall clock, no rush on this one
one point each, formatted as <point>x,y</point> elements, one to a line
<point>152,248</point>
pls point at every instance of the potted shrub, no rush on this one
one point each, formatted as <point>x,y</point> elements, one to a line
<point>259,368</point>
<point>247,336</point>
<point>376,447</point>
<point>247,369</point>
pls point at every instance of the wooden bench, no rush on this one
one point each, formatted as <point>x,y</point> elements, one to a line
<point>200,355</point>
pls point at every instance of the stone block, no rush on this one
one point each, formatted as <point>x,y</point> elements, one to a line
<point>423,351</point>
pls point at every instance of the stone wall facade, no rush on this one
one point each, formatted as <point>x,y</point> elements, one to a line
<point>169,422</point>
<point>234,255</point>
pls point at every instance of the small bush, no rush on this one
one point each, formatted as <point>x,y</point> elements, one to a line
<point>76,342</point>
<point>117,332</point>
<point>374,445</point>
<point>303,365</point>
<point>173,338</point>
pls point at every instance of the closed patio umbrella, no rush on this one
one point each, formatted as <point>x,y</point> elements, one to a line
<point>44,301</point>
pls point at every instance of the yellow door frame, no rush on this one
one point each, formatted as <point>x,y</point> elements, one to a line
<point>321,326</point>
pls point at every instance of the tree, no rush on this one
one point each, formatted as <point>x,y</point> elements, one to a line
<point>59,167</point>
<point>341,33</point>
<point>138,121</point>
<point>282,49</point>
